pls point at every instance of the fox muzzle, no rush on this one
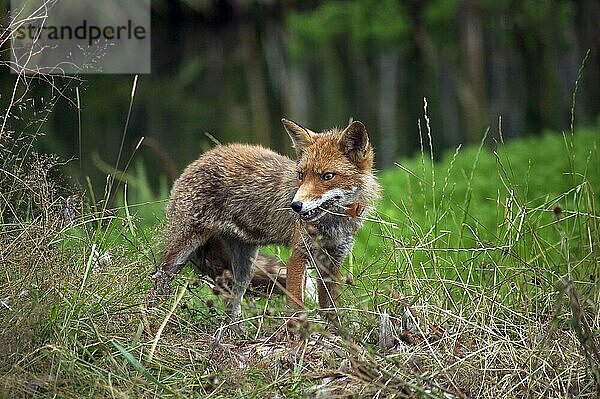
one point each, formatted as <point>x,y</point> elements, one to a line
<point>296,206</point>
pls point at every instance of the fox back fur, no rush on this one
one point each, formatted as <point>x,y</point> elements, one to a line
<point>235,198</point>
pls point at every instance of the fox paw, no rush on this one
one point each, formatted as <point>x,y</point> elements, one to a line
<point>152,300</point>
<point>161,290</point>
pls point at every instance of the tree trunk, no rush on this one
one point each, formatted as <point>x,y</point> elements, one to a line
<point>473,93</point>
<point>388,93</point>
<point>259,107</point>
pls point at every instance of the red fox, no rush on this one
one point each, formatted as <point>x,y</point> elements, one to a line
<point>235,198</point>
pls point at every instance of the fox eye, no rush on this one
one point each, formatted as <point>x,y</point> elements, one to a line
<point>300,175</point>
<point>327,176</point>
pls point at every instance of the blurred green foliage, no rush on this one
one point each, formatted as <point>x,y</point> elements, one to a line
<point>368,25</point>
<point>371,26</point>
<point>233,69</point>
<point>517,213</point>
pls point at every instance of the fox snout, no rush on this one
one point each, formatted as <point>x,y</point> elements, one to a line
<point>299,206</point>
<point>310,208</point>
<point>296,206</point>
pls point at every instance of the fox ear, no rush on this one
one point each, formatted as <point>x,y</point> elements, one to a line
<point>301,136</point>
<point>355,143</point>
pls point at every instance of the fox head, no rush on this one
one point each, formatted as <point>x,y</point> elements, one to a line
<point>334,169</point>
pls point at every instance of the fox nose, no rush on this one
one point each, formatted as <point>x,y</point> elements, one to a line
<point>296,206</point>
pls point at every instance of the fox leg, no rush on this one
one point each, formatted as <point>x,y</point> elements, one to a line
<point>175,257</point>
<point>243,256</point>
<point>329,263</point>
<point>327,286</point>
<point>213,259</point>
<point>296,278</point>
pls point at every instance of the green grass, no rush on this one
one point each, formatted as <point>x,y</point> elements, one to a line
<point>486,263</point>
<point>519,209</point>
